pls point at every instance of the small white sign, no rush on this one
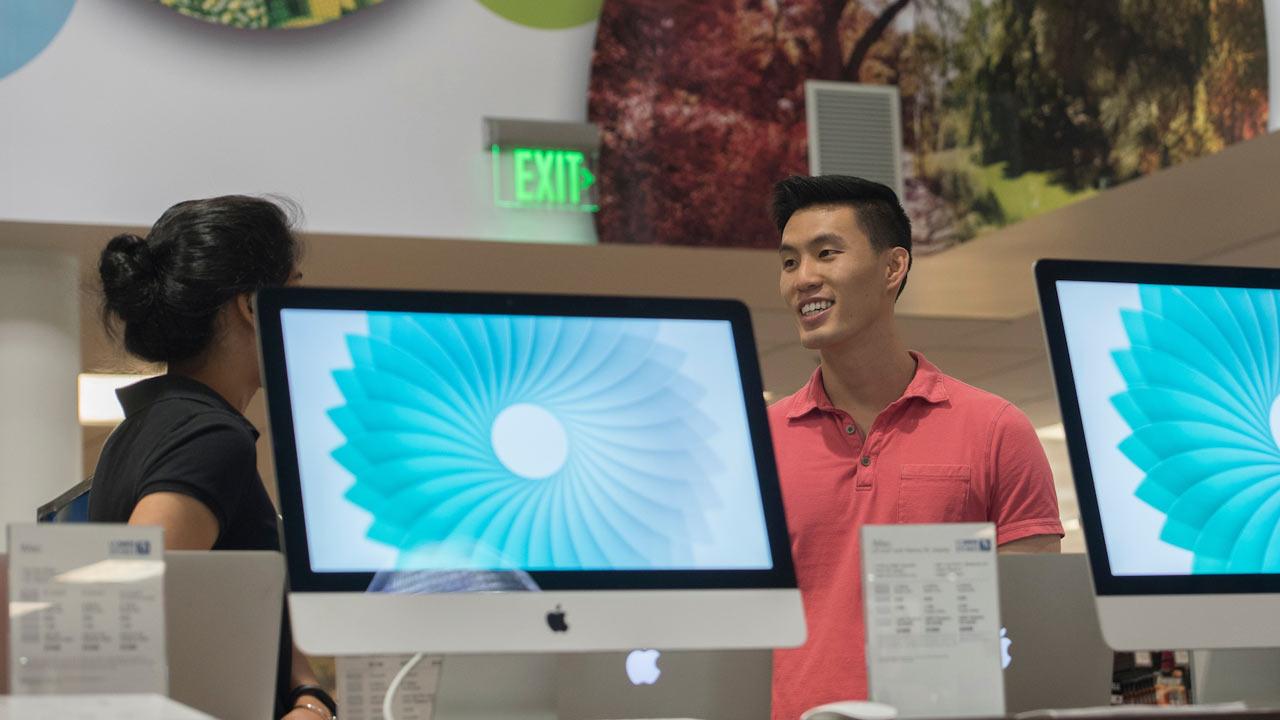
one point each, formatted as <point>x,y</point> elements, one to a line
<point>932,608</point>
<point>86,609</point>
<point>363,681</point>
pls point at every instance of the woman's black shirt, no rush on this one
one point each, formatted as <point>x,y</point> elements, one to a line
<point>181,436</point>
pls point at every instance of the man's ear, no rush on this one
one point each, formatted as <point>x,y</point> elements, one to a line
<point>895,269</point>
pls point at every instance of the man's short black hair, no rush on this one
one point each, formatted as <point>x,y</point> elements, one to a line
<point>880,214</point>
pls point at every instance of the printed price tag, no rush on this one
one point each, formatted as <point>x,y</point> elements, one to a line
<point>932,608</point>
<point>363,681</point>
<point>86,609</point>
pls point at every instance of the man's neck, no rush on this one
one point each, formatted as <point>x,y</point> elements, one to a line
<point>866,376</point>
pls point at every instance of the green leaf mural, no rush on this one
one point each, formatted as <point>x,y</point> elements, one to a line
<point>268,14</point>
<point>546,14</point>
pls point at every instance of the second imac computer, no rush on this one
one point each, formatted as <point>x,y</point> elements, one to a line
<point>1169,382</point>
<point>479,473</point>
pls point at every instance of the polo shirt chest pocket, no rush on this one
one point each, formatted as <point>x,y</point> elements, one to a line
<point>933,493</point>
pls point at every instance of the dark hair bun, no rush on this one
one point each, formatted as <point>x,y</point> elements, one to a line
<point>129,278</point>
<point>168,289</point>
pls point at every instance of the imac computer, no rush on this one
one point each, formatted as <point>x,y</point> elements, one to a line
<point>1168,377</point>
<point>500,473</point>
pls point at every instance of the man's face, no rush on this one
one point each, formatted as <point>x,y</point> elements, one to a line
<point>831,278</point>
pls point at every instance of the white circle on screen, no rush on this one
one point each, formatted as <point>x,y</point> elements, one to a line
<point>530,441</point>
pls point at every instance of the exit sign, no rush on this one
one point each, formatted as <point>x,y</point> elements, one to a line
<point>546,178</point>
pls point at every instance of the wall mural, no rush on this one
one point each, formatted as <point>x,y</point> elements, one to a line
<point>546,14</point>
<point>26,29</point>
<point>267,14</point>
<point>1010,108</point>
<point>259,14</point>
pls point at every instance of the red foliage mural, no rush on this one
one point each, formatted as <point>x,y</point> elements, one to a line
<point>1007,111</point>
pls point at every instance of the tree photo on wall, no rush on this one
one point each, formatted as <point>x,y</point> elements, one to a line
<point>1010,108</point>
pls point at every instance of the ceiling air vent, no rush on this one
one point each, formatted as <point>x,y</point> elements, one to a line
<point>855,129</point>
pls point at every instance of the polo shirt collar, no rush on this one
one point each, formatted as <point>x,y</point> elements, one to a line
<point>926,385</point>
<point>135,397</point>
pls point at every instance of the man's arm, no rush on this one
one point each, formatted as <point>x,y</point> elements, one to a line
<point>1032,545</point>
<point>1023,499</point>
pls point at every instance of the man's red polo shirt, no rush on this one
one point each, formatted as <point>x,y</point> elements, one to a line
<point>943,452</point>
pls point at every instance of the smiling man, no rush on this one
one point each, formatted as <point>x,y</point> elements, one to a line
<point>878,435</point>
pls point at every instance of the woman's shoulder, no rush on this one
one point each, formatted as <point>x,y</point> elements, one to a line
<point>220,436</point>
<point>173,401</point>
<point>203,420</point>
<point>166,445</point>
<point>172,438</point>
<point>175,421</point>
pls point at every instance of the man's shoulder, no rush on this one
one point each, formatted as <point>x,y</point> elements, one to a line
<point>780,410</point>
<point>973,399</point>
<point>984,411</point>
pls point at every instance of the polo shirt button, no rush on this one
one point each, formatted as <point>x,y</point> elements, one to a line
<point>866,460</point>
<point>850,429</point>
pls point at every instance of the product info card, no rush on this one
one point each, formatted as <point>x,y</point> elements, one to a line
<point>932,610</point>
<point>363,681</point>
<point>86,609</point>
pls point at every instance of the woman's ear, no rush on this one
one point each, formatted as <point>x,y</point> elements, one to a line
<point>244,307</point>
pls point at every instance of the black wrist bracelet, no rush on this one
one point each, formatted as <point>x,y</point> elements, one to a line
<point>316,692</point>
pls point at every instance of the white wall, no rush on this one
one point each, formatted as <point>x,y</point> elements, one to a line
<point>373,123</point>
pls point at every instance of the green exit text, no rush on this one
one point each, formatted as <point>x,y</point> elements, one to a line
<point>542,178</point>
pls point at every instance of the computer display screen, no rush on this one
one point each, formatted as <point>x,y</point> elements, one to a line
<point>1170,385</point>
<point>521,450</point>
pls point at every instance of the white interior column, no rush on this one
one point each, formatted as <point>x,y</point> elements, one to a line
<point>40,444</point>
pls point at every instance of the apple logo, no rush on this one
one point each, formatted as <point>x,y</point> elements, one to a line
<point>555,620</point>
<point>642,667</point>
<point>1005,642</point>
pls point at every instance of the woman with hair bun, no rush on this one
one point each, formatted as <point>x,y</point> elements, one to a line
<point>185,457</point>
